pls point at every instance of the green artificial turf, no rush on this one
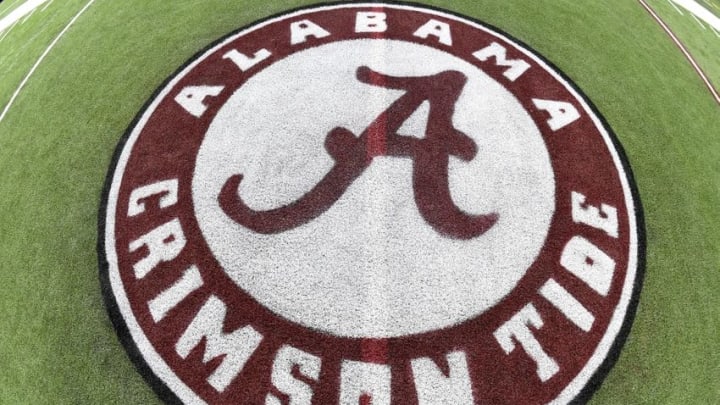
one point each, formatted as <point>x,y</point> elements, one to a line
<point>712,5</point>
<point>24,42</point>
<point>702,43</point>
<point>7,6</point>
<point>57,345</point>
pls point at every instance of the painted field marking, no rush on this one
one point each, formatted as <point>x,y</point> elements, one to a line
<point>7,31</point>
<point>700,12</point>
<point>675,7</point>
<point>47,5</point>
<point>684,50</point>
<point>27,17</point>
<point>699,22</point>
<point>9,7</point>
<point>23,10</point>
<point>44,54</point>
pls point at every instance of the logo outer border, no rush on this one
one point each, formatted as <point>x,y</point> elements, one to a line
<point>592,384</point>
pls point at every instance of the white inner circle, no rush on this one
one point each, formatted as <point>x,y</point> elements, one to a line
<point>370,266</point>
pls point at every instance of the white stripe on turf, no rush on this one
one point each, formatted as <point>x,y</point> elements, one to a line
<point>7,31</point>
<point>699,12</point>
<point>27,17</point>
<point>675,7</point>
<point>24,9</point>
<point>47,5</point>
<point>684,50</point>
<point>9,7</point>
<point>44,54</point>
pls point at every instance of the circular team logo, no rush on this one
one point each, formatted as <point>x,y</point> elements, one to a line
<point>371,204</point>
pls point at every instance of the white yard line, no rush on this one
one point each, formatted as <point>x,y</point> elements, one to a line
<point>700,12</point>
<point>699,22</point>
<point>44,54</point>
<point>21,11</point>
<point>675,7</point>
<point>28,16</point>
<point>47,5</point>
<point>684,50</point>
<point>7,31</point>
<point>9,7</point>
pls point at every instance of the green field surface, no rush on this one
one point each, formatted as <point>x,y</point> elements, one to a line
<point>25,42</point>
<point>712,5</point>
<point>57,344</point>
<point>702,43</point>
<point>7,6</point>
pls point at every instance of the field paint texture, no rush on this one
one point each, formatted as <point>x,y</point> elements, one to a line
<point>669,373</point>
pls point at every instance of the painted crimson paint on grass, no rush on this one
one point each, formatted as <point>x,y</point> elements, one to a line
<point>372,289</point>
